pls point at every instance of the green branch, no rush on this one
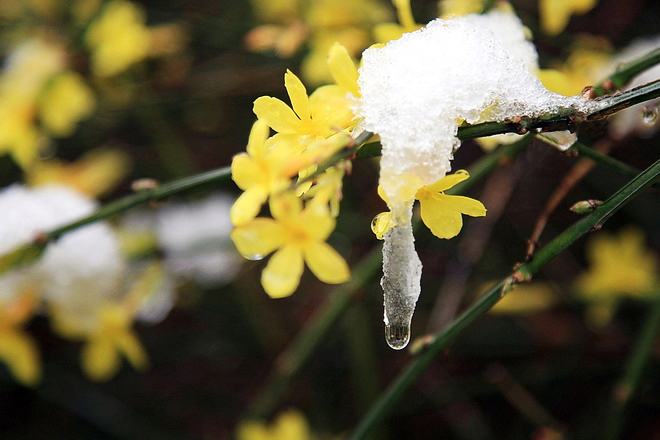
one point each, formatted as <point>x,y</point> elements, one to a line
<point>31,251</point>
<point>626,72</point>
<point>439,341</point>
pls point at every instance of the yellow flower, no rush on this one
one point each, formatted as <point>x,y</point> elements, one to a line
<point>102,352</point>
<point>298,236</point>
<point>392,31</point>
<point>263,170</point>
<point>555,14</point>
<point>94,174</point>
<point>309,117</point>
<point>343,69</point>
<point>17,350</point>
<point>64,103</point>
<point>458,8</point>
<point>587,63</point>
<point>441,213</point>
<point>527,299</point>
<point>118,38</point>
<point>289,425</point>
<point>620,267</point>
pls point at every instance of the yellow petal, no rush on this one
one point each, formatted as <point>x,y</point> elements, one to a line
<point>326,263</point>
<point>291,424</point>
<point>128,343</point>
<point>282,273</point>
<point>298,95</point>
<point>248,205</point>
<point>276,114</point>
<point>245,171</point>
<point>285,206</point>
<point>257,238</point>
<point>443,222</point>
<point>449,181</point>
<point>100,359</point>
<point>343,69</point>
<point>257,140</point>
<point>404,13</point>
<point>466,205</point>
<point>330,110</point>
<point>555,14</point>
<point>253,430</point>
<point>318,222</point>
<point>20,354</point>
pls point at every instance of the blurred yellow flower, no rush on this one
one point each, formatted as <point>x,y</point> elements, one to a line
<point>620,267</point>
<point>102,352</point>
<point>458,8</point>
<point>297,235</point>
<point>289,425</point>
<point>17,350</point>
<point>441,213</point>
<point>526,299</point>
<point>65,102</point>
<point>555,14</point>
<point>385,32</point>
<point>588,62</point>
<point>27,69</point>
<point>290,23</point>
<point>94,174</point>
<point>118,38</point>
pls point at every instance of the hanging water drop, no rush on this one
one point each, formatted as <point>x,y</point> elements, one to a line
<point>397,336</point>
<point>561,139</point>
<point>650,114</point>
<point>255,257</point>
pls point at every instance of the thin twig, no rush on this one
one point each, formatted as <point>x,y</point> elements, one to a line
<point>574,176</point>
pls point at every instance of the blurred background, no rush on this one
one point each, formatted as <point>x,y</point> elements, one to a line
<point>104,96</point>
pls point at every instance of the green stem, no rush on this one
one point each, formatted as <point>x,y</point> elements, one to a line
<point>615,103</point>
<point>626,72</point>
<point>441,340</point>
<point>604,159</point>
<point>293,359</point>
<point>629,382</point>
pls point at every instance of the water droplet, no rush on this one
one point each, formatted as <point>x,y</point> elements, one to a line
<point>255,257</point>
<point>397,336</point>
<point>561,139</point>
<point>650,114</point>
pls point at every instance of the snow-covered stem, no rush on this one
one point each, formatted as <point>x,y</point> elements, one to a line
<point>434,344</point>
<point>561,119</point>
<point>30,251</point>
